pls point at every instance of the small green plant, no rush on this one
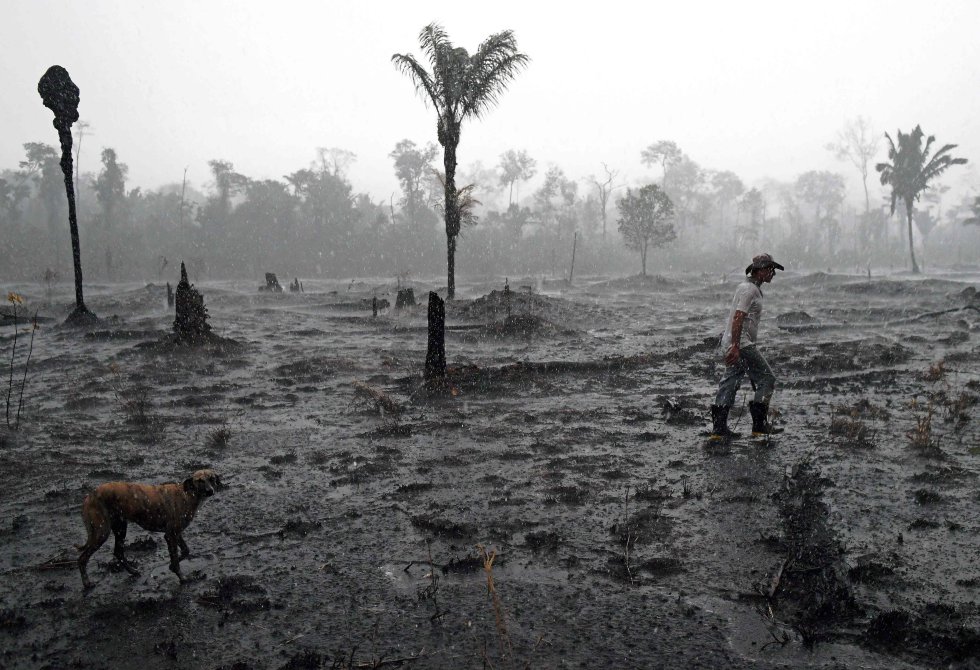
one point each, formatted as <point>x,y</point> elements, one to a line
<point>15,300</point>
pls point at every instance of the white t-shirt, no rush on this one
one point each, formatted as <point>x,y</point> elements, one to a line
<point>748,299</point>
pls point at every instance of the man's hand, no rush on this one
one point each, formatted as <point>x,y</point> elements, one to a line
<point>731,358</point>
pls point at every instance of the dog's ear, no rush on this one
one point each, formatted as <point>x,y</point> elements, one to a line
<point>189,485</point>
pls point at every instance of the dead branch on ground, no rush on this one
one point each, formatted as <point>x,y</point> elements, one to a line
<point>381,400</point>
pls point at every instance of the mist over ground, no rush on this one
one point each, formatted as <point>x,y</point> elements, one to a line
<point>299,148</point>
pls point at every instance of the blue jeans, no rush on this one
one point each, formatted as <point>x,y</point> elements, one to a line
<point>750,362</point>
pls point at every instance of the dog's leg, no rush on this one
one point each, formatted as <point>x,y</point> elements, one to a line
<point>119,551</point>
<point>172,543</point>
<point>184,551</point>
<point>97,526</point>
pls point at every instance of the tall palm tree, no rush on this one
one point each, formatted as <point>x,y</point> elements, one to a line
<point>910,171</point>
<point>459,86</point>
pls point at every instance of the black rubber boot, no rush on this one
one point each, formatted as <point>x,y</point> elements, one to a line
<point>760,420</point>
<point>719,423</point>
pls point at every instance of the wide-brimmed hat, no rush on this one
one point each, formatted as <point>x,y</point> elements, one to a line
<point>762,262</point>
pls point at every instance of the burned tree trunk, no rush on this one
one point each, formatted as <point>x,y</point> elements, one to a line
<point>170,295</point>
<point>60,94</point>
<point>272,284</point>
<point>435,356</point>
<point>405,298</point>
<point>191,323</point>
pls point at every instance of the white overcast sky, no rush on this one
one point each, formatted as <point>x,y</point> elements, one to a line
<point>754,87</point>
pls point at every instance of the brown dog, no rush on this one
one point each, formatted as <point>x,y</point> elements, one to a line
<point>162,508</point>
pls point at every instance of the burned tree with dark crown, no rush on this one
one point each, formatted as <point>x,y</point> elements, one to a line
<point>60,94</point>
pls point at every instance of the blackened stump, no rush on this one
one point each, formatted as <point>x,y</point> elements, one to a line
<point>272,284</point>
<point>405,298</point>
<point>435,356</point>
<point>191,323</point>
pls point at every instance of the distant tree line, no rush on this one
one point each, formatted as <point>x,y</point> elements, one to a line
<point>516,217</point>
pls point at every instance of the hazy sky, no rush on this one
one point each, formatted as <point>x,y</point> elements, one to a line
<point>754,87</point>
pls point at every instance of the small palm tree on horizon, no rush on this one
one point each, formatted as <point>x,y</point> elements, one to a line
<point>910,171</point>
<point>459,86</point>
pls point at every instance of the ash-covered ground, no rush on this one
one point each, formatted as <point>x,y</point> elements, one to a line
<point>354,536</point>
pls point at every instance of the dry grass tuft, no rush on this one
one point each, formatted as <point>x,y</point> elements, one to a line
<point>217,438</point>
<point>936,372</point>
<point>503,637</point>
<point>921,436</point>
<point>852,431</point>
<point>136,406</point>
<point>957,408</point>
<point>134,400</point>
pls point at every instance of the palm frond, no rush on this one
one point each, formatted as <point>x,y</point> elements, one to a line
<point>424,84</point>
<point>483,94</point>
<point>928,146</point>
<point>936,165</point>
<point>495,63</point>
<point>466,202</point>
<point>434,43</point>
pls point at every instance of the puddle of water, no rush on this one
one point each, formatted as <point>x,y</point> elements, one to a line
<point>753,638</point>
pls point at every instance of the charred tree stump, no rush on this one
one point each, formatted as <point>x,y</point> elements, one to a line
<point>191,323</point>
<point>272,284</point>
<point>405,298</point>
<point>294,287</point>
<point>60,94</point>
<point>374,306</point>
<point>170,295</point>
<point>435,356</point>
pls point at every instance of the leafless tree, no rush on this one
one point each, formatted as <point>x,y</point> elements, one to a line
<point>857,142</point>
<point>605,189</point>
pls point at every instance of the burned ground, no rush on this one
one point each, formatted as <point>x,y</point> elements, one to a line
<point>351,536</point>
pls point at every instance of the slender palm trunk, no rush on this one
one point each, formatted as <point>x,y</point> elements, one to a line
<point>452,210</point>
<point>64,134</point>
<point>908,212</point>
<point>451,267</point>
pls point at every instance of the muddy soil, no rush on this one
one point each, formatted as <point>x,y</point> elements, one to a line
<point>353,536</point>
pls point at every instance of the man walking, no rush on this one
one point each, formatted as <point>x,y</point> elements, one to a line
<point>742,356</point>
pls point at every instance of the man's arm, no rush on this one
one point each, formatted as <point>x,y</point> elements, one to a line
<point>731,356</point>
